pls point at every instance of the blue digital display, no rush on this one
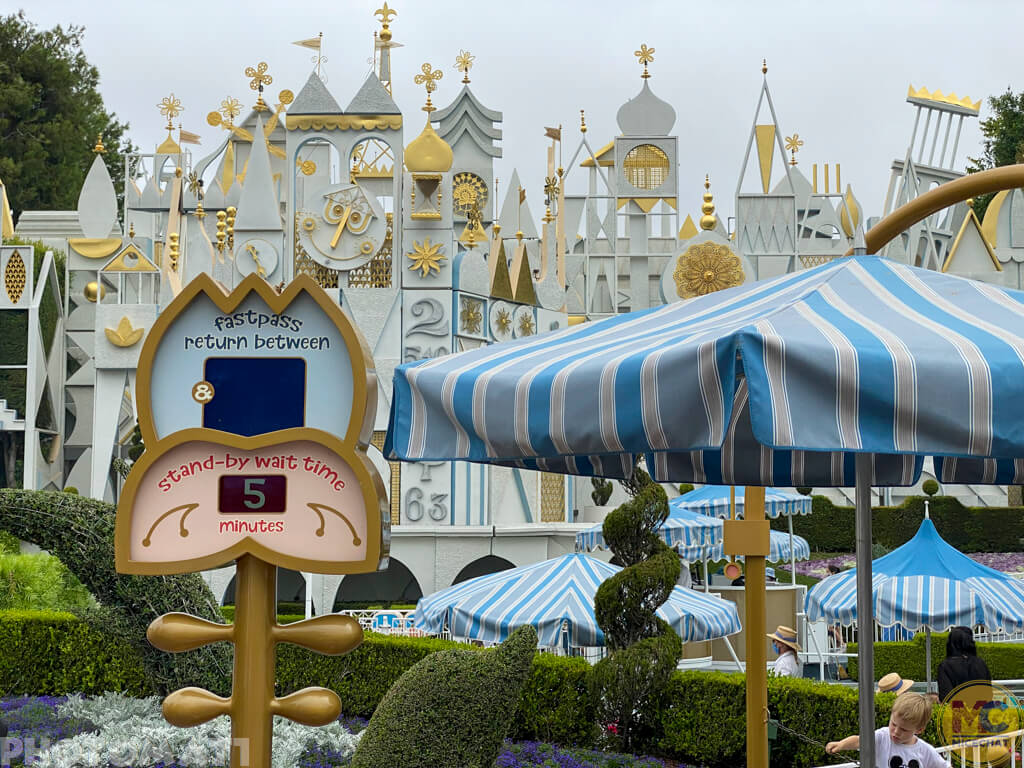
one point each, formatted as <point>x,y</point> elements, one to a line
<point>255,395</point>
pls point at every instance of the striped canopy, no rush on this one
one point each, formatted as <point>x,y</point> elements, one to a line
<point>924,583</point>
<point>690,533</point>
<point>775,382</point>
<point>556,593</point>
<point>714,500</point>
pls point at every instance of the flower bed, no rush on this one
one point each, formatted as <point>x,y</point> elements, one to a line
<point>115,730</point>
<point>1007,562</point>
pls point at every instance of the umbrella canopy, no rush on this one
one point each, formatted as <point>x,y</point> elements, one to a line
<point>556,593</point>
<point>714,500</point>
<point>925,583</point>
<point>690,533</point>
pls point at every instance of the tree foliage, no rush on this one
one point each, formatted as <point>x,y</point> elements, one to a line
<point>643,650</point>
<point>51,112</point>
<point>1003,142</point>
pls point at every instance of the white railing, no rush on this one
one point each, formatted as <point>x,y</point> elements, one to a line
<point>882,634</point>
<point>386,622</point>
<point>969,753</point>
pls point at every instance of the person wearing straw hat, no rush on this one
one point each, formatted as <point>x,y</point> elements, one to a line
<point>784,643</point>
<point>893,683</point>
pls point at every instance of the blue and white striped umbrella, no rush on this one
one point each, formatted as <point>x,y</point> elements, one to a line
<point>714,500</point>
<point>780,381</point>
<point>556,593</point>
<point>690,533</point>
<point>925,583</point>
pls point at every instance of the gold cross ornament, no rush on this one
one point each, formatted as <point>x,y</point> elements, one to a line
<point>645,56</point>
<point>464,63</point>
<point>793,144</point>
<point>260,78</point>
<point>428,79</point>
<point>170,107</point>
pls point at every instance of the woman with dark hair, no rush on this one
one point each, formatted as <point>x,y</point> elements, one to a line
<point>962,664</point>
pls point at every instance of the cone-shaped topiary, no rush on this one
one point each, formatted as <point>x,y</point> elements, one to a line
<point>643,649</point>
<point>453,708</point>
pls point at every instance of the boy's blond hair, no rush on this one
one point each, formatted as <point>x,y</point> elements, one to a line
<point>914,709</point>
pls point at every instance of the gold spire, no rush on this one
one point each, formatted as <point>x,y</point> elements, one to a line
<point>793,144</point>
<point>221,236</point>
<point>99,149</point>
<point>428,79</point>
<point>386,15</point>
<point>231,211</point>
<point>645,56</point>
<point>260,78</point>
<point>764,66</point>
<point>131,230</point>
<point>708,221</point>
<point>464,63</point>
<point>583,122</point>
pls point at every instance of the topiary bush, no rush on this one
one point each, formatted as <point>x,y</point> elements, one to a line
<point>930,487</point>
<point>643,650</point>
<point>80,531</point>
<point>602,490</point>
<point>453,708</point>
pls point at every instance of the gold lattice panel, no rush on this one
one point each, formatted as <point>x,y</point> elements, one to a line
<point>304,265</point>
<point>646,166</point>
<point>815,261</point>
<point>552,498</point>
<point>376,273</point>
<point>395,490</point>
<point>15,276</point>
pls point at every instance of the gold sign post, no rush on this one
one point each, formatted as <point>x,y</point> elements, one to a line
<point>234,479</point>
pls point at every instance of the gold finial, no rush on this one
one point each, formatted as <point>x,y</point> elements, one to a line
<point>231,211</point>
<point>170,107</point>
<point>764,66</point>
<point>708,221</point>
<point>260,78</point>
<point>221,236</point>
<point>131,230</point>
<point>583,122</point>
<point>386,15</point>
<point>970,203</point>
<point>464,63</point>
<point>645,56</point>
<point>428,80</point>
<point>200,211</point>
<point>172,250</point>
<point>230,108</point>
<point>519,235</point>
<point>99,149</point>
<point>793,144</point>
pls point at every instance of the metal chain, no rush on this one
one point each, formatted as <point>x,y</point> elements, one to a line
<point>806,738</point>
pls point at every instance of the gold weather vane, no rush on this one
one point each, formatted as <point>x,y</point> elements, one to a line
<point>230,108</point>
<point>260,78</point>
<point>793,144</point>
<point>386,15</point>
<point>644,56</point>
<point>464,63</point>
<point>428,80</point>
<point>316,44</point>
<point>170,107</point>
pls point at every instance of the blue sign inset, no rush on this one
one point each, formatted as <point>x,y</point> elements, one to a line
<point>255,395</point>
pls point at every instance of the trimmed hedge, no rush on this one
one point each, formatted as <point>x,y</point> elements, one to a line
<point>56,653</point>
<point>1005,660</point>
<point>830,528</point>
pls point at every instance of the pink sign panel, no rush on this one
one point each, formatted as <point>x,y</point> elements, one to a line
<point>291,503</point>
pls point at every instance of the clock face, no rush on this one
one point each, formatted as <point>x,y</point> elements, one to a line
<point>467,189</point>
<point>256,255</point>
<point>341,227</point>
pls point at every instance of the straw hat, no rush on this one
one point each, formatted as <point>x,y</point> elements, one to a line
<point>893,683</point>
<point>785,636</point>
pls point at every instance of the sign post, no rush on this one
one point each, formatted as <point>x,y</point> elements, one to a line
<point>256,410</point>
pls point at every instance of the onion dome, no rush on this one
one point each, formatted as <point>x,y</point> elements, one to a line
<point>428,152</point>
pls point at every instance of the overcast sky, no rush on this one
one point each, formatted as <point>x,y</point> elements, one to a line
<point>838,72</point>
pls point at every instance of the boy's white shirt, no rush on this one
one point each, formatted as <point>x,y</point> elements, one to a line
<point>921,752</point>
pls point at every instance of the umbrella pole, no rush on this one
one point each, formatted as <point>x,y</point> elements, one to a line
<point>792,552</point>
<point>757,651</point>
<point>928,659</point>
<point>865,647</point>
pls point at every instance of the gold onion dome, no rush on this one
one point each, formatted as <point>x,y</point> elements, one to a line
<point>708,221</point>
<point>428,152</point>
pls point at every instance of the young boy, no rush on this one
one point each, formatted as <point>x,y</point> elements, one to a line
<point>898,746</point>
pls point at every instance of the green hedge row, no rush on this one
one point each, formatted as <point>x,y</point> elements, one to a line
<point>830,528</point>
<point>1005,660</point>
<point>701,718</point>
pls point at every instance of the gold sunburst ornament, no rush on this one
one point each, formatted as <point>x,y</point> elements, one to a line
<point>793,144</point>
<point>525,325</point>
<point>471,316</point>
<point>170,107</point>
<point>644,56</point>
<point>464,63</point>
<point>706,268</point>
<point>503,321</point>
<point>426,257</point>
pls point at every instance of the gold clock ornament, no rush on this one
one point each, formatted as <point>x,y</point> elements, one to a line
<point>341,227</point>
<point>256,256</point>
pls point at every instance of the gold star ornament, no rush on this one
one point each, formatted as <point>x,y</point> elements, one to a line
<point>426,257</point>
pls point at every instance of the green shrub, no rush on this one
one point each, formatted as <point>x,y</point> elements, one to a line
<point>40,582</point>
<point>453,708</point>
<point>555,705</point>
<point>930,487</point>
<point>831,528</point>
<point>602,491</point>
<point>70,489</point>
<point>55,653</point>
<point>1005,660</point>
<point>643,650</point>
